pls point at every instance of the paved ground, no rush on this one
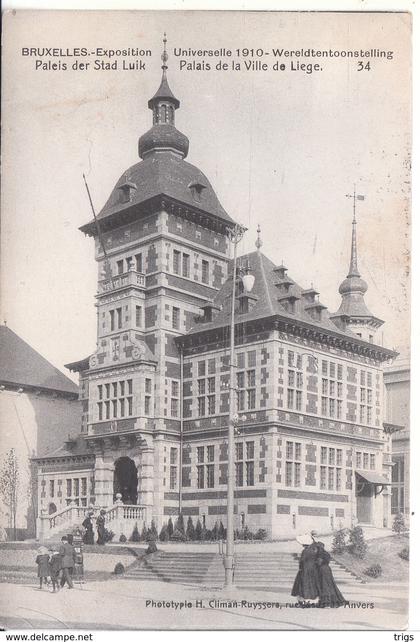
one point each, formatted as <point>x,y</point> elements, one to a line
<point>123,604</point>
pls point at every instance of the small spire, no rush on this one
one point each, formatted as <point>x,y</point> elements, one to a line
<point>164,55</point>
<point>353,270</point>
<point>258,242</point>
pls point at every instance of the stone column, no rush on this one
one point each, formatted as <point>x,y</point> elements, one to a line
<point>104,482</point>
<point>145,481</point>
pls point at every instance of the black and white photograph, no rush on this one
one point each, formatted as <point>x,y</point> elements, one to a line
<point>205,323</point>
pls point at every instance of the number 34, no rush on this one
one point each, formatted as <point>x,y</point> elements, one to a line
<point>363,66</point>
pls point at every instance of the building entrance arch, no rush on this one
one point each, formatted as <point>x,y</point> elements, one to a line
<point>125,480</point>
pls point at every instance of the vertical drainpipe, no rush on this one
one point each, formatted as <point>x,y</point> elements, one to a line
<point>181,413</point>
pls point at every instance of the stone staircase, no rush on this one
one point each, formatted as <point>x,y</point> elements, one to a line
<point>264,571</point>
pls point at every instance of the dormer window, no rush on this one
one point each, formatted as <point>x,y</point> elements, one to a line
<point>127,190</point>
<point>196,188</point>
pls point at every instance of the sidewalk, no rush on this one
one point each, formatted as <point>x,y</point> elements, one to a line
<point>125,604</point>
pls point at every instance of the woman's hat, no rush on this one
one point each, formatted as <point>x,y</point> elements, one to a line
<point>42,550</point>
<point>305,539</point>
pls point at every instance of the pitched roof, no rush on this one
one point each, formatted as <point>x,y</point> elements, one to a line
<point>22,365</point>
<point>271,290</point>
<point>164,174</point>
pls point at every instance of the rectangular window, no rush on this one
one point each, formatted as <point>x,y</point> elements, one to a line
<point>76,492</point>
<point>240,396</point>
<point>107,408</point>
<point>250,450</point>
<point>365,461</point>
<point>112,319</point>
<point>323,477</point>
<point>339,390</point>
<point>51,488</point>
<point>325,386</point>
<point>174,388</point>
<point>324,403</point>
<point>175,318</point>
<point>200,476</point>
<point>299,380</point>
<point>369,415</point>
<point>115,389</point>
<point>362,395</point>
<point>251,399</point>
<point>129,406</point>
<point>201,406</point>
<point>289,473</point>
<point>332,407</point>
<point>332,388</point>
<point>122,388</point>
<point>332,370</point>
<point>210,476</point>
<point>323,455</point>
<point>358,460</point>
<point>148,386</point>
<point>201,386</point>
<point>120,267</point>
<point>99,392</point>
<point>119,318</point>
<point>186,265</point>
<point>338,478</point>
<point>297,474</point>
<point>211,404</point>
<point>362,414</point>
<point>331,456</point>
<point>290,398</point>
<point>339,372</point>
<point>138,316</point>
<point>174,407</point>
<point>299,361</point>
<point>173,476</point>
<point>84,486</point>
<point>200,454</point>
<point>252,358</point>
<point>201,368</point>
<point>372,462</point>
<point>298,451</point>
<point>211,384</point>
<point>68,487</point>
<point>330,478</point>
<point>139,262</point>
<point>173,456</point>
<point>291,359</point>
<point>100,411</point>
<point>210,453</point>
<point>289,449</point>
<point>298,399</point>
<point>325,368</point>
<point>362,377</point>
<point>369,380</point>
<point>239,469</point>
<point>129,386</point>
<point>240,377</point>
<point>369,396</point>
<point>239,451</point>
<point>339,457</point>
<point>211,366</point>
<point>114,408</point>
<point>250,378</point>
<point>176,262</point>
<point>122,407</point>
<point>205,271</point>
<point>147,405</point>
<point>339,408</point>
<point>249,473</point>
<point>291,378</point>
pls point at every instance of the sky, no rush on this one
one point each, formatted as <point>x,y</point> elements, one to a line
<point>281,149</point>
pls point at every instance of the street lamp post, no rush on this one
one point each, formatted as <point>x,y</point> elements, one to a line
<point>235,236</point>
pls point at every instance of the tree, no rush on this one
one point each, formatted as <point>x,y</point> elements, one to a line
<point>180,526</point>
<point>152,534</point>
<point>358,546</point>
<point>144,531</point>
<point>190,529</point>
<point>339,541</point>
<point>170,527</point>
<point>164,534</point>
<point>399,523</point>
<point>198,530</point>
<point>9,486</point>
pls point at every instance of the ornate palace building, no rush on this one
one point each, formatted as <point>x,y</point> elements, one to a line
<point>311,450</point>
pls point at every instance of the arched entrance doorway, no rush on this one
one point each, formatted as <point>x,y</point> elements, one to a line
<point>125,480</point>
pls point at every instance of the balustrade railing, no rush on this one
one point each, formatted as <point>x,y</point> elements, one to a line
<point>122,280</point>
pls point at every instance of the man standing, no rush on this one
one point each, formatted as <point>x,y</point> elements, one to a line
<point>68,559</point>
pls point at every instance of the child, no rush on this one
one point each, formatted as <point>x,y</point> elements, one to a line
<point>55,568</point>
<point>43,568</point>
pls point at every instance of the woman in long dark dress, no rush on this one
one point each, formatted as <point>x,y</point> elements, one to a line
<point>330,594</point>
<point>100,525</point>
<point>88,526</point>
<point>306,586</point>
<point>42,560</point>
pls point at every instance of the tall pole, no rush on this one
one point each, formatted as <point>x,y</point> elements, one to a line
<point>235,236</point>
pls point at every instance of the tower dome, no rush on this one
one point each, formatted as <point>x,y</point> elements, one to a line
<point>163,136</point>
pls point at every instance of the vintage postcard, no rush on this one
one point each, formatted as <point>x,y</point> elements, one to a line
<point>205,339</point>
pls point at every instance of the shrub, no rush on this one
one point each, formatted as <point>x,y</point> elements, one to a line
<point>135,535</point>
<point>178,536</point>
<point>144,533</point>
<point>222,531</point>
<point>405,553</point>
<point>123,538</point>
<point>190,533</point>
<point>398,525</point>
<point>152,533</point>
<point>339,541</point>
<point>164,534</point>
<point>198,530</point>
<point>152,548</point>
<point>373,571</point>
<point>180,526</point>
<point>261,534</point>
<point>108,535</point>
<point>170,528</point>
<point>119,569</point>
<point>358,546</point>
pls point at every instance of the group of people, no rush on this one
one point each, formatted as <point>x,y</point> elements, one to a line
<point>57,565</point>
<point>88,537</point>
<point>314,584</point>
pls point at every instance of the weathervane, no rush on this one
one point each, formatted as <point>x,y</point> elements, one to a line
<point>355,197</point>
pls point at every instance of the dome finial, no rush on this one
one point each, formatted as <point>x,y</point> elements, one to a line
<point>164,55</point>
<point>258,242</point>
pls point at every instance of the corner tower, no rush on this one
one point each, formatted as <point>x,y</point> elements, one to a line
<point>353,312</point>
<point>161,244</point>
